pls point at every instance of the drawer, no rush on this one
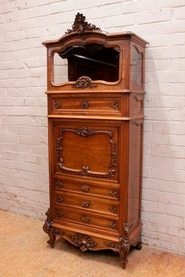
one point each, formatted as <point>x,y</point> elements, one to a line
<point>87,202</point>
<point>88,188</point>
<point>76,216</point>
<point>60,105</point>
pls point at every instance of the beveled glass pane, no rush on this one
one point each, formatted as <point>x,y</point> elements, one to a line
<point>60,70</point>
<point>93,60</point>
<point>136,67</point>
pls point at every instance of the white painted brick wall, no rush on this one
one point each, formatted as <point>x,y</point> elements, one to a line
<point>24,25</point>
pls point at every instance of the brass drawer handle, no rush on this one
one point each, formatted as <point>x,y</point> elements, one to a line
<point>85,204</point>
<point>85,219</point>
<point>85,188</point>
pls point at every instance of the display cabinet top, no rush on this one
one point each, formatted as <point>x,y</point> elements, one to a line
<point>81,28</point>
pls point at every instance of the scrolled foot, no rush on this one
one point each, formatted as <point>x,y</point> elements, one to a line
<point>124,247</point>
<point>124,263</point>
<point>139,245</point>
<point>47,227</point>
<point>51,241</point>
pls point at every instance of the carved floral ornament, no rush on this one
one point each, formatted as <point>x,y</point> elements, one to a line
<point>84,82</point>
<point>80,25</point>
<point>83,241</point>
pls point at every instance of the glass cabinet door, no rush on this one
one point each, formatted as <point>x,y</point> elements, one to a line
<point>92,60</point>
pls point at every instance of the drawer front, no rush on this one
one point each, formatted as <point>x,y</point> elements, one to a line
<point>109,191</point>
<point>76,216</point>
<point>58,105</point>
<point>88,203</point>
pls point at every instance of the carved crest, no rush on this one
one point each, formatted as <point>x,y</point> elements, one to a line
<point>80,25</point>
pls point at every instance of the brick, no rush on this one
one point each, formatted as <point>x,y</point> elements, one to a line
<point>165,220</point>
<point>167,238</point>
<point>167,151</point>
<point>151,207</point>
<point>17,111</point>
<point>178,13</point>
<point>174,210</point>
<point>175,248</point>
<point>37,11</point>
<point>150,16</point>
<point>176,187</point>
<point>62,7</point>
<point>175,199</point>
<point>177,3</point>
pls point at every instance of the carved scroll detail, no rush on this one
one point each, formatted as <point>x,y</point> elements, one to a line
<point>58,184</point>
<point>83,241</point>
<point>57,105</point>
<point>123,247</point>
<point>114,209</point>
<point>52,232</point>
<point>59,214</point>
<point>80,25</point>
<point>115,105</point>
<point>113,225</point>
<point>59,199</point>
<point>84,82</point>
<point>114,193</point>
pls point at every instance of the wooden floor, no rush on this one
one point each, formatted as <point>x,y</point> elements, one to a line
<point>25,253</point>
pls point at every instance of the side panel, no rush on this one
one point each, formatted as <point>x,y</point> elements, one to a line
<point>135,162</point>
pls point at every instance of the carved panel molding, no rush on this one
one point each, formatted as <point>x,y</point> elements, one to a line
<point>85,170</point>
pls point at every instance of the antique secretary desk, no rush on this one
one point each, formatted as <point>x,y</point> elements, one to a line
<point>95,89</point>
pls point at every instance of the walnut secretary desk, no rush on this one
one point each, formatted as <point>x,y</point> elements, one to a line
<point>95,90</point>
